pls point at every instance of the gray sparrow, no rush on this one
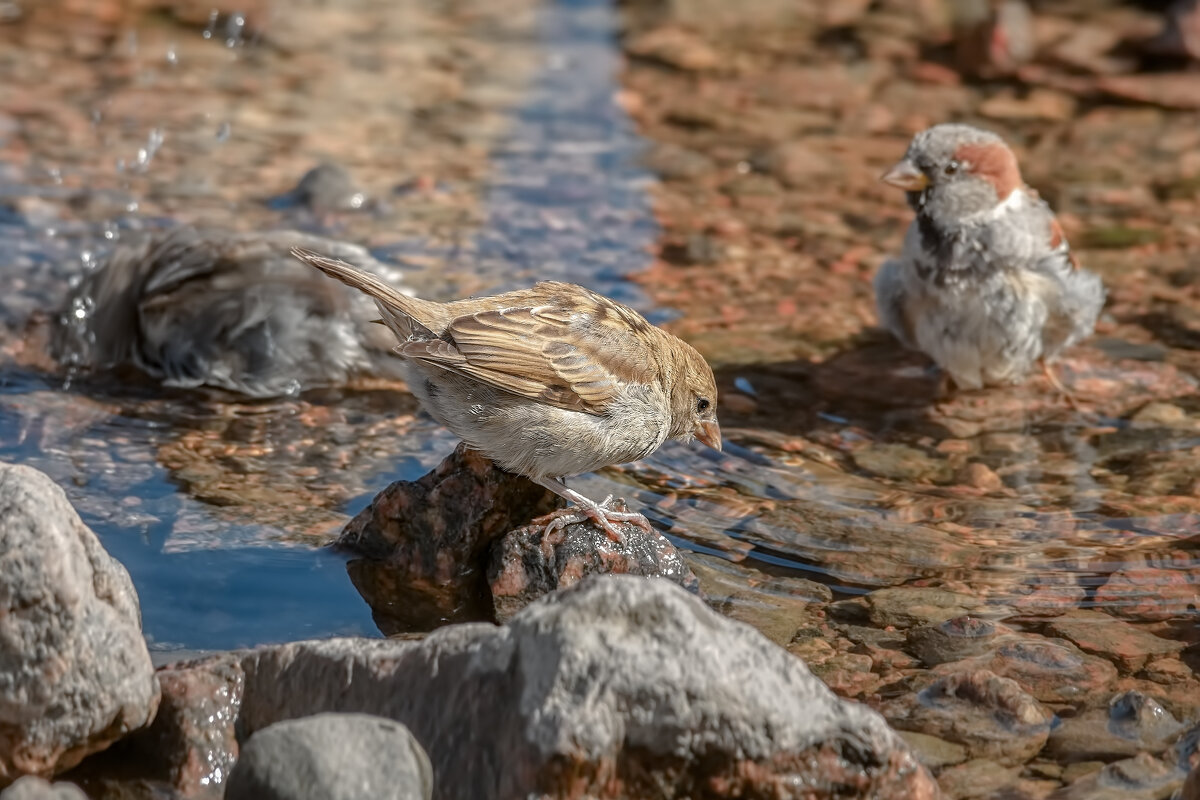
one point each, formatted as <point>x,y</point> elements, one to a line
<point>219,308</point>
<point>548,382</point>
<point>986,284</point>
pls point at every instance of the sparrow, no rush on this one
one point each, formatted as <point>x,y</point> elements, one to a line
<point>548,382</point>
<point>986,284</point>
<point>219,308</point>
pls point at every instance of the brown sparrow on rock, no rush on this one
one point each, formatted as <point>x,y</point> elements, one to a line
<point>986,285</point>
<point>548,382</point>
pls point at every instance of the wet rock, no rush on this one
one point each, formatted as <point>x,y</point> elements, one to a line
<point>618,686</point>
<point>1143,777</point>
<point>1080,769</point>
<point>1191,786</point>
<point>33,788</point>
<point>334,756</point>
<point>431,537</point>
<point>1133,723</point>
<point>989,715</point>
<point>673,47</point>
<point>191,745</point>
<point>675,162</point>
<point>1052,670</point>
<point>913,606</point>
<point>798,165</point>
<point>980,476</point>
<point>525,566</point>
<point>980,777</point>
<point>778,607</point>
<point>953,639</point>
<point>904,463</point>
<point>1123,644</point>
<point>75,674</point>
<point>193,307</point>
<point>1149,593</point>
<point>327,187</point>
<point>933,752</point>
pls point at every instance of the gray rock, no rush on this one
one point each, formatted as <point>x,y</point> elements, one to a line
<point>525,564</point>
<point>332,757</point>
<point>914,606</point>
<point>75,674</point>
<point>1133,723</point>
<point>993,717</point>
<point>1143,777</point>
<point>617,687</point>
<point>33,788</point>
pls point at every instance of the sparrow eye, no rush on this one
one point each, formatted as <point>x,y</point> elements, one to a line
<point>702,405</point>
<point>951,168</point>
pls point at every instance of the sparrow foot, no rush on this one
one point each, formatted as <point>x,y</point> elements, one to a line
<point>604,513</point>
<point>1072,399</point>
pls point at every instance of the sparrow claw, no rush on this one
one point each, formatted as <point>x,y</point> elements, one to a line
<point>602,514</point>
<point>1072,400</point>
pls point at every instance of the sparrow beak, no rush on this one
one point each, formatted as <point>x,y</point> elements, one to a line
<point>710,434</point>
<point>906,176</point>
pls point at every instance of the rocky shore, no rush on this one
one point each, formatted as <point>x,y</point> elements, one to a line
<point>616,687</point>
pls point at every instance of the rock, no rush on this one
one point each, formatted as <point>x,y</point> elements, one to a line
<point>328,187</point>
<point>977,778</point>
<point>1141,778</point>
<point>1052,670</point>
<point>616,687</point>
<point>1191,786</point>
<point>1125,645</point>
<point>776,606</point>
<point>192,744</point>
<point>798,165</point>
<point>524,566</point>
<point>903,463</point>
<point>332,757</point>
<point>675,162</point>
<point>991,716</point>
<point>432,536</point>
<point>1149,594</point>
<point>933,752</point>
<point>912,606</point>
<point>980,476</point>
<point>953,639</point>
<point>1080,769</point>
<point>1133,723</point>
<point>33,788</point>
<point>674,47</point>
<point>75,674</point>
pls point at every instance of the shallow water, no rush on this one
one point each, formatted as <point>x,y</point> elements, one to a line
<point>218,508</point>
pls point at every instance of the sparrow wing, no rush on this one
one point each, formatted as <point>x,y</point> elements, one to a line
<point>576,352</point>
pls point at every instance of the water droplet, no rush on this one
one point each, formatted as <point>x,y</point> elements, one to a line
<point>223,131</point>
<point>211,28</point>
<point>172,56</point>
<point>744,386</point>
<point>234,29</point>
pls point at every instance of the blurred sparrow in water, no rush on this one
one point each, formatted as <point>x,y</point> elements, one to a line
<point>986,284</point>
<point>224,309</point>
<point>548,382</point>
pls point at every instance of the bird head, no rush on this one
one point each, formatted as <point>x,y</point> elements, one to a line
<point>693,398</point>
<point>953,173</point>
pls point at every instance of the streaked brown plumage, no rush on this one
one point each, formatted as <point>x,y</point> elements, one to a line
<point>548,382</point>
